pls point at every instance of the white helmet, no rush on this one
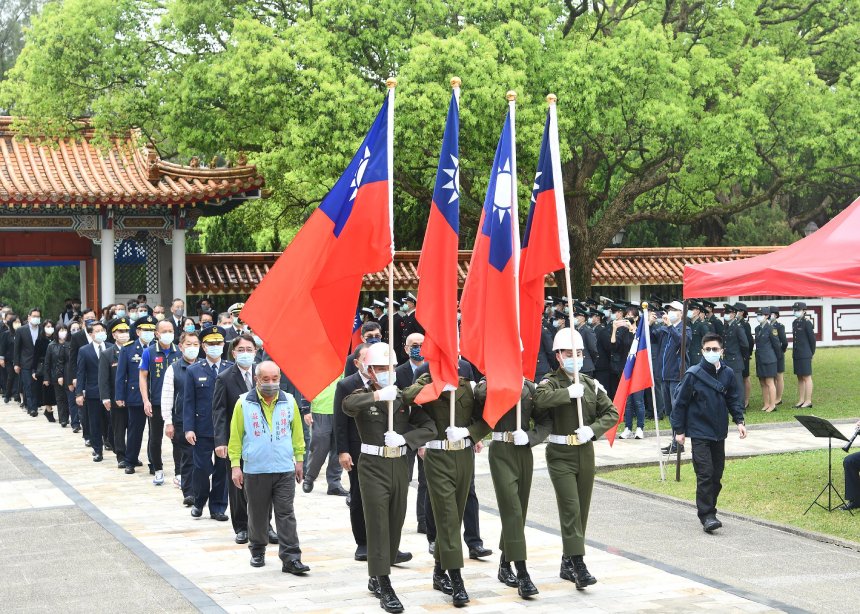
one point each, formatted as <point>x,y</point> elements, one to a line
<point>378,354</point>
<point>562,340</point>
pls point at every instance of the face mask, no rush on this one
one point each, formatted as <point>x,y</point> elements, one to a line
<point>16,325</point>
<point>258,342</point>
<point>607,313</point>
<point>556,323</point>
<point>89,323</point>
<point>73,330</point>
<point>372,340</point>
<point>760,319</point>
<point>415,354</point>
<point>166,338</point>
<point>35,321</point>
<point>566,310</point>
<point>147,336</point>
<point>191,353</point>
<point>132,316</point>
<point>674,316</point>
<point>62,335</point>
<point>100,336</point>
<point>214,351</point>
<point>404,307</point>
<point>121,338</point>
<point>571,365</point>
<point>142,314</point>
<point>270,389</point>
<point>206,325</point>
<point>49,331</point>
<point>711,357</point>
<point>179,312</point>
<point>120,313</point>
<point>690,314</point>
<point>727,316</point>
<point>189,328</point>
<point>159,316</point>
<point>245,359</point>
<point>382,378</point>
<point>798,314</point>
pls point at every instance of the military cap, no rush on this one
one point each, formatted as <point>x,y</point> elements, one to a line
<point>617,307</point>
<point>656,301</point>
<point>798,306</point>
<point>727,307</point>
<point>774,311</point>
<point>557,300</point>
<point>145,323</point>
<point>379,304</point>
<point>710,304</point>
<point>595,312</point>
<point>590,302</point>
<point>367,310</point>
<point>235,308</point>
<point>118,324</point>
<point>763,311</point>
<point>695,305</point>
<point>409,297</point>
<point>548,300</point>
<point>579,311</point>
<point>740,307</point>
<point>212,333</point>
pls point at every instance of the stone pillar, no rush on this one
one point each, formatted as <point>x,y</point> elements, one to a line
<point>177,262</point>
<point>106,260</point>
<point>82,267</point>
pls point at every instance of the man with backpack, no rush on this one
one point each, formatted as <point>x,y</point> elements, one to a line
<point>706,396</point>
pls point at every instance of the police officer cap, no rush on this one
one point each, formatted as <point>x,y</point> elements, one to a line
<point>378,354</point>
<point>595,312</point>
<point>118,324</point>
<point>763,311</point>
<point>409,297</point>
<point>367,310</point>
<point>798,306</point>
<point>579,311</point>
<point>548,301</point>
<point>562,340</point>
<point>617,307</point>
<point>740,307</point>
<point>590,302</point>
<point>146,323</point>
<point>379,304</point>
<point>695,305</point>
<point>395,303</point>
<point>774,311</point>
<point>235,308</point>
<point>708,303</point>
<point>656,301</point>
<point>212,333</point>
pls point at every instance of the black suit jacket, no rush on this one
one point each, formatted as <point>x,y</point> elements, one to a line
<point>108,361</point>
<point>177,328</point>
<point>24,347</point>
<point>88,372</point>
<point>229,386</point>
<point>345,432</point>
<point>404,376</point>
<point>77,341</point>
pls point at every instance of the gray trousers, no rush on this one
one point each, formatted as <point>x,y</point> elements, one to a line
<point>277,491</point>
<point>322,447</point>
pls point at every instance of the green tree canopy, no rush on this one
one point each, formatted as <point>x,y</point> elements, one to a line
<point>669,112</point>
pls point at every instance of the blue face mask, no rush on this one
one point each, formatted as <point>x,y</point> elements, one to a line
<point>382,378</point>
<point>245,359</point>
<point>147,336</point>
<point>214,351</point>
<point>572,365</point>
<point>372,340</point>
<point>120,313</point>
<point>711,357</point>
<point>415,354</point>
<point>189,329</point>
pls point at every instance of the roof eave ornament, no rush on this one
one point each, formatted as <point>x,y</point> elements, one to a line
<point>152,170</point>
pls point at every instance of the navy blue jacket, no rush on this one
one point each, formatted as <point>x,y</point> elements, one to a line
<point>669,338</point>
<point>701,412</point>
<point>802,336</point>
<point>128,374</point>
<point>197,394</point>
<point>88,372</point>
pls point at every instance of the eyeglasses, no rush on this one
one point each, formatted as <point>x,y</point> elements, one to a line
<point>373,337</point>
<point>414,346</point>
<point>711,349</point>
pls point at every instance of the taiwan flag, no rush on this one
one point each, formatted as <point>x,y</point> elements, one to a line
<point>636,375</point>
<point>355,340</point>
<point>303,307</point>
<point>490,326</point>
<point>437,267</point>
<point>546,247</point>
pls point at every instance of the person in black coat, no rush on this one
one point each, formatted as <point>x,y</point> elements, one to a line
<point>803,340</point>
<point>119,331</point>
<point>76,341</point>
<point>42,388</point>
<point>87,388</point>
<point>780,358</point>
<point>56,359</point>
<point>24,351</point>
<point>766,351</point>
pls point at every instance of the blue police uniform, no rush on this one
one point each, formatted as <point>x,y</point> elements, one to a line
<point>128,391</point>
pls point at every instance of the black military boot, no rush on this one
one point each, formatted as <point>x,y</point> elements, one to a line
<point>441,581</point>
<point>373,585</point>
<point>583,576</point>
<point>459,594</point>
<point>505,575</point>
<point>566,572</point>
<point>525,586</point>
<point>388,600</point>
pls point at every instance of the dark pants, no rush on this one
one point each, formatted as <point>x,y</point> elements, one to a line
<point>11,391</point>
<point>74,410</point>
<point>851,464</point>
<point>266,492</point>
<point>323,447</point>
<point>156,436</point>
<point>238,507</point>
<point>83,416</point>
<point>356,511</point>
<point>635,404</point>
<point>204,467</point>
<point>95,409</point>
<point>136,423</point>
<point>659,399</point>
<point>119,426</point>
<point>182,450</point>
<point>709,460</point>
<point>27,382</point>
<point>421,503</point>
<point>62,403</point>
<point>471,525</point>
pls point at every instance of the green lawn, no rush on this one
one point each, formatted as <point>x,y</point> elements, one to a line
<point>775,487</point>
<point>835,395</point>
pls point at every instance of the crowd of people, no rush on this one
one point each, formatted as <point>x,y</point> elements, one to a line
<point>243,437</point>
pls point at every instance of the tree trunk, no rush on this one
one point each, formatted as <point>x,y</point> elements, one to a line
<point>581,264</point>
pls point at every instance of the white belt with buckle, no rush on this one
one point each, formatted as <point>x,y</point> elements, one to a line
<point>384,451</point>
<point>565,440</point>
<point>444,444</point>
<point>505,436</point>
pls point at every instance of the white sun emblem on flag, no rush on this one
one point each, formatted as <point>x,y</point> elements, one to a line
<point>454,183</point>
<point>536,186</point>
<point>359,173</point>
<point>502,196</point>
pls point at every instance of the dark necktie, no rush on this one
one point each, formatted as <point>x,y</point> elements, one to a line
<point>214,370</point>
<point>248,383</point>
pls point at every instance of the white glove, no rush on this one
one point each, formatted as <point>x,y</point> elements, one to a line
<point>520,438</point>
<point>394,440</point>
<point>449,388</point>
<point>388,393</point>
<point>472,384</point>
<point>576,391</point>
<point>456,433</point>
<point>584,434</point>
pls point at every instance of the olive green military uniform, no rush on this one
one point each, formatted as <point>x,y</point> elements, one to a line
<point>511,468</point>
<point>448,471</point>
<point>384,480</point>
<point>571,467</point>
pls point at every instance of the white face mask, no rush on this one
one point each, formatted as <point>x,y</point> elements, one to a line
<point>727,316</point>
<point>711,357</point>
<point>798,314</point>
<point>62,335</point>
<point>382,378</point>
<point>674,316</point>
<point>121,338</point>
<point>49,330</point>
<point>760,319</point>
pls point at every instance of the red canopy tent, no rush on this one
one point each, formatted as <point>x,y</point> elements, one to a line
<point>826,263</point>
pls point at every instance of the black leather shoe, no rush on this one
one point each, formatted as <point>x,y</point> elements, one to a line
<point>711,524</point>
<point>97,458</point>
<point>441,582</point>
<point>138,464</point>
<point>566,572</point>
<point>307,486</point>
<point>295,567</point>
<point>219,516</point>
<point>583,576</point>
<point>388,600</point>
<point>188,501</point>
<point>108,447</point>
<point>242,538</point>
<point>361,553</point>
<point>129,470</point>
<point>479,552</point>
<point>525,586</point>
<point>87,443</point>
<point>339,491</point>
<point>121,464</point>
<point>848,505</point>
<point>273,537</point>
<point>257,560</point>
<point>64,424</point>
<point>402,557</point>
<point>458,593</point>
<point>373,586</point>
<point>348,500</point>
<point>196,512</point>
<point>506,576</point>
<point>672,449</point>
<point>50,416</point>
<point>422,528</point>
<point>76,429</point>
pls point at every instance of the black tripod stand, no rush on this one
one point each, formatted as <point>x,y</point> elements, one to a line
<point>820,427</point>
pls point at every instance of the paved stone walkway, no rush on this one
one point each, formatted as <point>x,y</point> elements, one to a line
<point>191,554</point>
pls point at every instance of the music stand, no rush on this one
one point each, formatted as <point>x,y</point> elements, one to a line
<point>819,427</point>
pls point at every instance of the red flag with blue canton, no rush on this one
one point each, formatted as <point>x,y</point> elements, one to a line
<point>437,267</point>
<point>302,308</point>
<point>545,243</point>
<point>636,375</point>
<point>490,327</point>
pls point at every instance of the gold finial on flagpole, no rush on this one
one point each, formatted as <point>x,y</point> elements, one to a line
<point>644,304</point>
<point>551,98</point>
<point>391,82</point>
<point>456,82</point>
<point>511,95</point>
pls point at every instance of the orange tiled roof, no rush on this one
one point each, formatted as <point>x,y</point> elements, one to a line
<point>77,173</point>
<point>240,273</point>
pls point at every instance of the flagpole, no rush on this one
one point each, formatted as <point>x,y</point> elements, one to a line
<point>653,389</point>
<point>391,83</point>
<point>455,85</point>
<point>515,227</point>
